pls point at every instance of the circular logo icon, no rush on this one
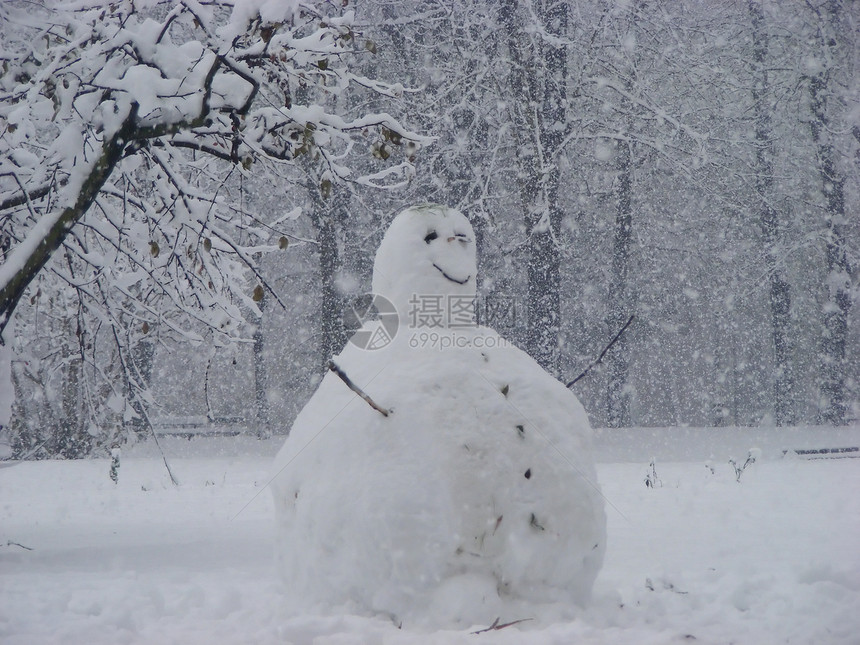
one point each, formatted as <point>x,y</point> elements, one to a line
<point>373,320</point>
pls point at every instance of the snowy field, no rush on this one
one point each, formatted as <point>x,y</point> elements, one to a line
<point>700,557</point>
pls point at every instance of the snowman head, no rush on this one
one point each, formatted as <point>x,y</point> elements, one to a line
<point>428,252</point>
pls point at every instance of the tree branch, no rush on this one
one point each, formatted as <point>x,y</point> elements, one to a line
<point>25,197</point>
<point>352,386</point>
<point>603,353</point>
<point>163,129</point>
<point>496,626</point>
<point>199,147</point>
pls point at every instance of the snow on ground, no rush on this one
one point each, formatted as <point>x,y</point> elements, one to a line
<point>770,559</point>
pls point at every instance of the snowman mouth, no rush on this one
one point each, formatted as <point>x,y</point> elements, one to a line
<point>454,280</point>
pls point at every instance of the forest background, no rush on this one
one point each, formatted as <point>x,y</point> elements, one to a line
<point>692,164</point>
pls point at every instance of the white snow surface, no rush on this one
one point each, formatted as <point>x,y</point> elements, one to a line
<point>475,496</point>
<point>770,559</point>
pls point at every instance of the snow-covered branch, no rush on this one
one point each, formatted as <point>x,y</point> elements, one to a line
<point>96,86</point>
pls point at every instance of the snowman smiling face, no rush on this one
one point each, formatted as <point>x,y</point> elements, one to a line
<point>459,256</point>
<point>428,250</point>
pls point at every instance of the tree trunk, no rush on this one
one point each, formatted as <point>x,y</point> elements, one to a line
<point>261,384</point>
<point>538,94</point>
<point>834,332</point>
<point>778,287</point>
<point>832,406</point>
<point>618,363</point>
<point>72,441</point>
<point>7,391</point>
<point>142,355</point>
<point>332,335</point>
<point>135,364</point>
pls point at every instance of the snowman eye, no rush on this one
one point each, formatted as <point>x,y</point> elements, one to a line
<point>432,235</point>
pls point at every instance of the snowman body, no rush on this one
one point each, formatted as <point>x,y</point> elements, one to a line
<point>475,494</point>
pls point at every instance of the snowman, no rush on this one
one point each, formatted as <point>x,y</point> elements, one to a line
<point>441,478</point>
